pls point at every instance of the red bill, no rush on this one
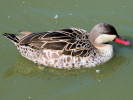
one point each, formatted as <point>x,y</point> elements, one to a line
<point>122,41</point>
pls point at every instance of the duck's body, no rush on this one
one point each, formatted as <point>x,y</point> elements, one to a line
<point>65,48</point>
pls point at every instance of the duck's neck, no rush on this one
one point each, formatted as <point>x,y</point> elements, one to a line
<point>105,50</point>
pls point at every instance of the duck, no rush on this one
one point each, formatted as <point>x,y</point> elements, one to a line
<point>68,48</point>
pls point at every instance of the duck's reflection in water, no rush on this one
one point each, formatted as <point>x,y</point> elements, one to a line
<point>28,68</point>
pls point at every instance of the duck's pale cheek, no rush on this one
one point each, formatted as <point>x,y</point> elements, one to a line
<point>104,38</point>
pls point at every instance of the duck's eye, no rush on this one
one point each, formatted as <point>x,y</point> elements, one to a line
<point>108,33</point>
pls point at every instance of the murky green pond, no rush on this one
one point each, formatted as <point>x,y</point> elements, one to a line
<point>20,79</point>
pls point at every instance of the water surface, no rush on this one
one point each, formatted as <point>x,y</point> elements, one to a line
<point>20,79</point>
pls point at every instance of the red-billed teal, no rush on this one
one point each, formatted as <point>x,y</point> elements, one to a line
<point>68,48</point>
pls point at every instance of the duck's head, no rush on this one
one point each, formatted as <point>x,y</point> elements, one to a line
<point>103,33</point>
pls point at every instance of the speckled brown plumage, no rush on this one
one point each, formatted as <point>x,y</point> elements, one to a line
<point>72,41</point>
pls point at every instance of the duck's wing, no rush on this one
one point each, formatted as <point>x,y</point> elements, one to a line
<point>70,41</point>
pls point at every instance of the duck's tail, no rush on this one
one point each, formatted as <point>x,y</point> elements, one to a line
<point>12,37</point>
<point>16,38</point>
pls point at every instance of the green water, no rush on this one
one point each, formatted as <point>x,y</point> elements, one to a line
<point>20,79</point>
